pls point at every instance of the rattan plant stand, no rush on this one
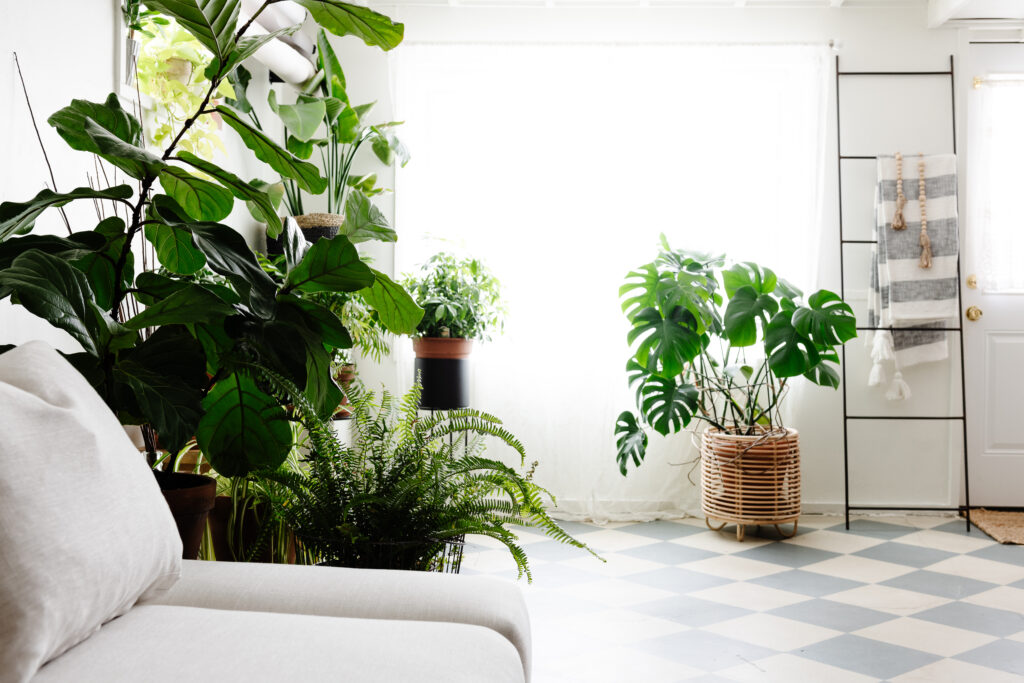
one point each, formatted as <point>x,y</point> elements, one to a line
<point>750,480</point>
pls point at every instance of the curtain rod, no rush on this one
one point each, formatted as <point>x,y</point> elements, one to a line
<point>832,44</point>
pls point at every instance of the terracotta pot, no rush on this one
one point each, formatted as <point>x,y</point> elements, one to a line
<point>750,479</point>
<point>314,226</point>
<point>442,364</point>
<point>190,497</point>
<point>220,519</point>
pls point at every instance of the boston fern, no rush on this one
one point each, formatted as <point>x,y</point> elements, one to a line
<point>407,485</point>
<point>182,364</point>
<point>729,367</point>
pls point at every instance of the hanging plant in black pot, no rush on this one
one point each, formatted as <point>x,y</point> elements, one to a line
<point>461,299</point>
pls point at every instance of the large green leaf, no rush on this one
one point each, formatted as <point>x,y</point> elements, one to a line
<point>239,78</point>
<point>396,308</point>
<point>71,247</point>
<point>229,255</point>
<point>330,266</point>
<point>826,319</point>
<point>745,308</point>
<point>824,374</point>
<point>389,148</point>
<point>321,390</point>
<point>174,248</point>
<point>201,199</point>
<point>345,19</point>
<point>133,160</point>
<point>631,441</point>
<point>364,221</point>
<point>789,352</point>
<point>247,47</point>
<point>666,344</point>
<point>190,304</point>
<point>334,77</point>
<point>266,150</point>
<point>301,119</point>
<point>667,405</point>
<point>243,429</point>
<point>212,22</point>
<point>749,274</point>
<point>166,378</point>
<point>49,287</point>
<point>70,122</point>
<point>261,203</point>
<point>314,316</point>
<point>19,217</point>
<point>99,265</point>
<point>293,242</point>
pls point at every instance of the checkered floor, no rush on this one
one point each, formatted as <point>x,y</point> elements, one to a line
<point>893,599</point>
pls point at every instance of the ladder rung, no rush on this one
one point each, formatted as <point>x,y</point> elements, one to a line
<point>904,417</point>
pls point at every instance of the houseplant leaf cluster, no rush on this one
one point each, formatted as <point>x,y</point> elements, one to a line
<point>406,485</point>
<point>460,297</point>
<point>720,342</point>
<point>170,349</point>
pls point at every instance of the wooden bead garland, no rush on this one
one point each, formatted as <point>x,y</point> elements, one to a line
<point>925,241</point>
<point>898,222</point>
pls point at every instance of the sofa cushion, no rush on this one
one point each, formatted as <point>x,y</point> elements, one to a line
<point>161,644</point>
<point>486,601</point>
<point>84,529</point>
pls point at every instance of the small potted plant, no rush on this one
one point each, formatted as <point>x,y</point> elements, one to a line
<point>461,300</point>
<point>727,361</point>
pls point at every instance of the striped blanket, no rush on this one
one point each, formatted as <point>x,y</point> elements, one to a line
<point>903,294</point>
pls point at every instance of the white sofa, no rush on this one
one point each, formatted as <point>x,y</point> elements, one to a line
<point>93,588</point>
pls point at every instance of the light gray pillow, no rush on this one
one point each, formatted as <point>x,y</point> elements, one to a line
<point>84,529</point>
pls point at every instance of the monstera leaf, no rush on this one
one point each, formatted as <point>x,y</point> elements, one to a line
<point>631,441</point>
<point>666,344</point>
<point>826,319</point>
<point>667,405</point>
<point>745,308</point>
<point>748,274</point>
<point>243,429</point>
<point>345,19</point>
<point>824,374</point>
<point>789,352</point>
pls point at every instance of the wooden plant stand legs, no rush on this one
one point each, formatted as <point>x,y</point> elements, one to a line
<point>741,528</point>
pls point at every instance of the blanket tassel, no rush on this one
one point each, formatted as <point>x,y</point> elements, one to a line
<point>877,375</point>
<point>881,347</point>
<point>898,390</point>
<point>926,251</point>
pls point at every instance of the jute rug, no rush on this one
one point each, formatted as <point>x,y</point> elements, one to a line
<point>1005,527</point>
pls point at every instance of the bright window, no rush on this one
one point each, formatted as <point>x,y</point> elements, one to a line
<point>559,166</point>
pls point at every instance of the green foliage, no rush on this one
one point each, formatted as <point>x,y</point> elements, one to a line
<point>460,298</point>
<point>408,485</point>
<point>692,360</point>
<point>179,349</point>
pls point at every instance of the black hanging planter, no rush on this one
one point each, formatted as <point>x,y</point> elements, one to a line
<point>314,226</point>
<point>442,365</point>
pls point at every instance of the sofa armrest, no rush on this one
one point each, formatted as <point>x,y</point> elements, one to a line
<point>357,593</point>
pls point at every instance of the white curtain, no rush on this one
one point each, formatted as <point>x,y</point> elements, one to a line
<point>995,228</point>
<point>559,166</point>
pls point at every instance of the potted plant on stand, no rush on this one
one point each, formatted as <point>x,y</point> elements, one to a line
<point>726,361</point>
<point>461,300</point>
<point>191,376</point>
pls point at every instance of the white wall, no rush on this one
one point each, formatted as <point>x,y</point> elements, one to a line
<point>895,463</point>
<point>67,50</point>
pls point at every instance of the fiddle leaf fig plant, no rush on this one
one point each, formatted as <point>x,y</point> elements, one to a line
<point>720,342</point>
<point>174,350</point>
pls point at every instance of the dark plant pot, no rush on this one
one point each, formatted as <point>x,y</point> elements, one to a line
<point>314,226</point>
<point>190,497</point>
<point>248,531</point>
<point>442,365</point>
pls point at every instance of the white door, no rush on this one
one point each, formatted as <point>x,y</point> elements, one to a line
<point>993,271</point>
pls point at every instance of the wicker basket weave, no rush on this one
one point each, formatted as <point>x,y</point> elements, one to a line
<point>750,479</point>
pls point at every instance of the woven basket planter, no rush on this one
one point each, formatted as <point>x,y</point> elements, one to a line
<point>750,479</point>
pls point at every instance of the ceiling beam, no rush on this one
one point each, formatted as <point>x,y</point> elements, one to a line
<point>941,11</point>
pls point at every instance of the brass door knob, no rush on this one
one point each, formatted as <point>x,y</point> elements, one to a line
<point>972,281</point>
<point>973,313</point>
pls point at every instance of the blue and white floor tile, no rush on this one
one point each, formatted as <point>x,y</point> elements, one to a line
<point>908,600</point>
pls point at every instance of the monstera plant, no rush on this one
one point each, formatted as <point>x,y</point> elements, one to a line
<point>167,349</point>
<point>720,344</point>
